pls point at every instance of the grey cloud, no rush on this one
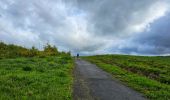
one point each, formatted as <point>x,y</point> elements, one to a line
<point>156,41</point>
<point>87,26</point>
<point>118,17</point>
<point>158,37</point>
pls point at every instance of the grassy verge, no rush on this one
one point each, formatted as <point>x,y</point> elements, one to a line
<point>134,76</point>
<point>36,78</point>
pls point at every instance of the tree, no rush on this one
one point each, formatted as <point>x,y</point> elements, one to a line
<point>50,51</point>
<point>33,52</point>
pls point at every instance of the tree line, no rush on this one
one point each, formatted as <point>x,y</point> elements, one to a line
<point>12,51</point>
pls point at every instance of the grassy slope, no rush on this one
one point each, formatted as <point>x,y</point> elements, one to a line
<point>149,75</point>
<point>36,78</point>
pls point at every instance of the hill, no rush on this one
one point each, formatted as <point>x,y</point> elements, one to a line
<point>149,75</point>
<point>32,74</point>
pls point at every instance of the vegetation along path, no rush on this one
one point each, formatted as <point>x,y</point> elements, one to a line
<point>92,83</point>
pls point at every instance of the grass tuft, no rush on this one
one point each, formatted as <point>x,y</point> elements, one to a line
<point>27,68</point>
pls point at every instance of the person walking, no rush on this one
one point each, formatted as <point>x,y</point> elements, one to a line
<point>77,55</point>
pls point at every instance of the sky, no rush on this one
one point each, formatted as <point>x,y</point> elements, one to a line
<point>140,27</point>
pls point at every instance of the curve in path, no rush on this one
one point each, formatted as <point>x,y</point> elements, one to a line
<point>92,83</point>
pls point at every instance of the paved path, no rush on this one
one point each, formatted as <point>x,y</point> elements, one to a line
<point>92,83</point>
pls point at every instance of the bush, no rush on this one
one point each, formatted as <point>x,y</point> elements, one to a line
<point>14,51</point>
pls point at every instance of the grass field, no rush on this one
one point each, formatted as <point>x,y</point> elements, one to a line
<point>149,75</point>
<point>36,78</point>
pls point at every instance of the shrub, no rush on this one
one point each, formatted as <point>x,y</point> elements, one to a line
<point>14,51</point>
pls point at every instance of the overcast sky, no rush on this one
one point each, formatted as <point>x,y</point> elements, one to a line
<point>88,26</point>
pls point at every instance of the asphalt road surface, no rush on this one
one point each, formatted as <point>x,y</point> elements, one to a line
<point>92,83</point>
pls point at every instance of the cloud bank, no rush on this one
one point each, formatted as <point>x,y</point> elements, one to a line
<point>88,26</point>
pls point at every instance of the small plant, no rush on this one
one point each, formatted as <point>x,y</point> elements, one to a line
<point>62,74</point>
<point>27,68</point>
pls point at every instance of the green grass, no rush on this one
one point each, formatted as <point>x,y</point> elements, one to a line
<point>148,75</point>
<point>36,78</point>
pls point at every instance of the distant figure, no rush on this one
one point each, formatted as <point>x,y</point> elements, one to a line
<point>77,55</point>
